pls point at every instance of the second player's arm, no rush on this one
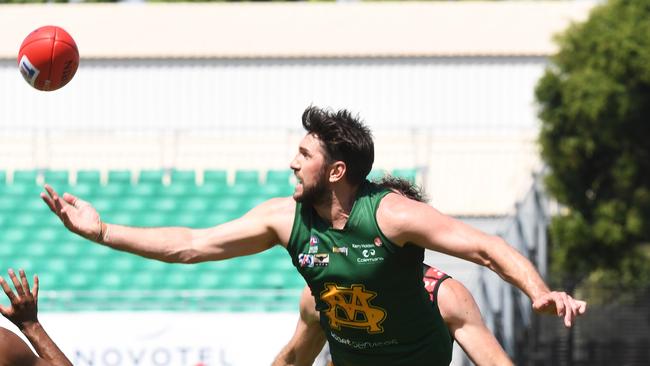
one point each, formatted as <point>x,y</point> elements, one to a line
<point>308,338</point>
<point>463,318</point>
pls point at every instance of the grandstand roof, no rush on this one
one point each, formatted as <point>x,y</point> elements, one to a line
<point>286,30</point>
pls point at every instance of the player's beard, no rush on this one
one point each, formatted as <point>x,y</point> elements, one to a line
<point>316,194</point>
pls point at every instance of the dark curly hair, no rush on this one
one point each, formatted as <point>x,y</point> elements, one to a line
<point>402,186</point>
<point>344,137</point>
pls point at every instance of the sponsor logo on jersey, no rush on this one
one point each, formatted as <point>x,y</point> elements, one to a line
<point>352,307</point>
<point>321,260</point>
<point>29,72</point>
<point>313,250</point>
<point>342,250</point>
<point>378,241</point>
<point>305,260</point>
<point>369,254</point>
<point>313,240</point>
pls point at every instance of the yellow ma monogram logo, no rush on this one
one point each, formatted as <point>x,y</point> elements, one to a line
<point>351,307</point>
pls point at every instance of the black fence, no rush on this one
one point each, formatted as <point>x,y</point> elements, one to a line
<point>615,331</point>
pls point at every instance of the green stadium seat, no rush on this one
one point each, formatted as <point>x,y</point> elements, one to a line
<point>163,204</point>
<point>89,177</point>
<point>13,235</point>
<point>79,281</point>
<point>279,177</point>
<point>177,189</point>
<point>26,177</point>
<point>84,189</point>
<point>56,178</point>
<point>18,190</point>
<point>3,177</point>
<point>9,203</point>
<point>154,177</point>
<point>143,190</point>
<point>215,177</point>
<point>119,176</point>
<point>248,177</point>
<point>113,190</point>
<point>183,177</point>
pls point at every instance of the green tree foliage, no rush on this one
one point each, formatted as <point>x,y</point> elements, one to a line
<point>595,109</point>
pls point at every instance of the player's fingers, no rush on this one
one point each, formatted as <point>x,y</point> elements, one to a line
<point>35,288</point>
<point>4,311</point>
<point>7,290</point>
<point>582,306</point>
<point>50,191</point>
<point>541,304</point>
<point>71,199</point>
<point>559,305</point>
<point>24,283</point>
<point>48,200</point>
<point>17,285</point>
<point>569,311</point>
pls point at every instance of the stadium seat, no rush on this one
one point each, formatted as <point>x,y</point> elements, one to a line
<point>279,177</point>
<point>3,177</point>
<point>248,177</point>
<point>56,178</point>
<point>184,177</point>
<point>88,177</point>
<point>25,177</point>
<point>154,177</point>
<point>119,176</point>
<point>215,177</point>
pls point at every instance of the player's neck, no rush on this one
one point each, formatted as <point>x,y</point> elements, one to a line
<point>336,210</point>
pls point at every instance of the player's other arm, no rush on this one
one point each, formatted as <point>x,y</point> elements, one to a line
<point>308,339</point>
<point>463,318</point>
<point>259,229</point>
<point>408,221</point>
<point>23,313</point>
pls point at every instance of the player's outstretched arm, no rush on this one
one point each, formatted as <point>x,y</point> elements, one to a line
<point>258,230</point>
<point>463,318</point>
<point>407,221</point>
<point>23,313</point>
<point>308,339</point>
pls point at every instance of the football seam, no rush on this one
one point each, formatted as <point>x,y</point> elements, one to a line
<point>49,76</point>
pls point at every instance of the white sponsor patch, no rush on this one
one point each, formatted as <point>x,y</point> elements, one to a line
<point>29,72</point>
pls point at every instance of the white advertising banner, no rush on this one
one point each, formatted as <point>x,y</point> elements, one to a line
<point>168,338</point>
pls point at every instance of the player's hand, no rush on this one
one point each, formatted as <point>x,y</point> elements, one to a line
<point>560,304</point>
<point>76,214</point>
<point>24,303</point>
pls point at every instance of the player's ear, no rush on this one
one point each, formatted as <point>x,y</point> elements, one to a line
<point>337,171</point>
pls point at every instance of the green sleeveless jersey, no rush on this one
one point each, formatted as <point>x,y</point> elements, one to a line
<point>373,306</point>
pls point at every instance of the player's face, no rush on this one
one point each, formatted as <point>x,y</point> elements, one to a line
<point>310,167</point>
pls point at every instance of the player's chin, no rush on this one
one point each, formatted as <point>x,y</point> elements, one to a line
<point>297,192</point>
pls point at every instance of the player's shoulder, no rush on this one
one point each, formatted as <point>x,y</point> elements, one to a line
<point>454,299</point>
<point>395,206</point>
<point>278,206</point>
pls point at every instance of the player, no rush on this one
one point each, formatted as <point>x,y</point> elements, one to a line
<point>23,313</point>
<point>449,297</point>
<point>359,247</point>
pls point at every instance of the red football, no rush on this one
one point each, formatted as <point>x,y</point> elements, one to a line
<point>48,58</point>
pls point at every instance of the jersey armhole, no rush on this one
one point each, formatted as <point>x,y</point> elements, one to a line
<point>383,237</point>
<point>294,228</point>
